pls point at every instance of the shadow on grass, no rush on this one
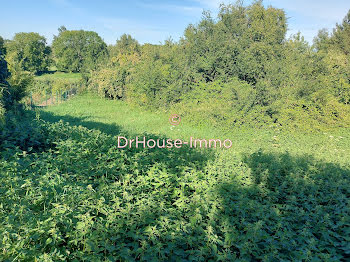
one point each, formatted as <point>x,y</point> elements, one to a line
<point>295,208</point>
<point>149,204</point>
<point>175,159</point>
<point>46,72</point>
<point>109,129</point>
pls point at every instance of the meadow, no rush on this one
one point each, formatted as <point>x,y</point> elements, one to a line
<point>109,116</point>
<point>59,76</point>
<point>68,192</point>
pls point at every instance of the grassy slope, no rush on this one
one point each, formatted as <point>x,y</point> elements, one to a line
<point>97,113</point>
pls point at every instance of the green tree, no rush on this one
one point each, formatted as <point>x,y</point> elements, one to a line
<point>78,50</point>
<point>3,75</point>
<point>127,44</point>
<point>242,42</point>
<point>2,47</point>
<point>334,50</point>
<point>3,64</point>
<point>13,82</point>
<point>322,40</point>
<point>341,35</point>
<point>29,51</point>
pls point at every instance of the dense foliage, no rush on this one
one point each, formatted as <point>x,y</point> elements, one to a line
<point>243,58</point>
<point>3,75</point>
<point>78,50</point>
<point>111,79</point>
<point>13,84</point>
<point>28,52</point>
<point>54,86</point>
<point>68,193</point>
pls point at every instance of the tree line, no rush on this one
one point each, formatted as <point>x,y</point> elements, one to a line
<point>71,51</point>
<point>236,68</point>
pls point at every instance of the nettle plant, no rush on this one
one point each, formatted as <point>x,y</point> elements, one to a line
<point>79,197</point>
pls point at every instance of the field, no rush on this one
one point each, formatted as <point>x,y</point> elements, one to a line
<point>274,196</point>
<point>59,76</point>
<point>111,116</point>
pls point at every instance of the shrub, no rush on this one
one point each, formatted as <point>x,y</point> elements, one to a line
<point>109,82</point>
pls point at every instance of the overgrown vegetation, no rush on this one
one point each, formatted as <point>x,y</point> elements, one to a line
<point>3,76</point>
<point>68,193</point>
<point>82,198</point>
<point>13,84</point>
<point>56,83</point>
<point>237,69</point>
<point>233,70</point>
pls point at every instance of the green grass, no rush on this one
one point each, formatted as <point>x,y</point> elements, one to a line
<point>59,76</point>
<point>92,112</point>
<point>68,193</point>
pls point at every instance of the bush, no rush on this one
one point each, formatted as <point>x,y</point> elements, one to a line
<point>54,86</point>
<point>21,131</point>
<point>109,82</point>
<point>278,82</point>
<point>19,82</point>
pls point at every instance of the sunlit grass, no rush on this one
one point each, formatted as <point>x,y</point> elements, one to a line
<point>68,190</point>
<point>59,75</point>
<point>331,146</point>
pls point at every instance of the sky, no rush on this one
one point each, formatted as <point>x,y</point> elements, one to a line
<point>150,21</point>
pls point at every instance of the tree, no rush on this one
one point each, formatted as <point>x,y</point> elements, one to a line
<point>12,85</point>
<point>2,47</point>
<point>127,44</point>
<point>242,42</point>
<point>3,75</point>
<point>3,64</point>
<point>334,50</point>
<point>78,50</point>
<point>341,35</point>
<point>29,51</point>
<point>61,29</point>
<point>322,40</point>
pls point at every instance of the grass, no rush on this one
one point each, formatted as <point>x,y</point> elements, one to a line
<point>68,193</point>
<point>92,112</point>
<point>59,76</point>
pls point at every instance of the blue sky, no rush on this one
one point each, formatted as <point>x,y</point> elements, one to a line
<point>149,21</point>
